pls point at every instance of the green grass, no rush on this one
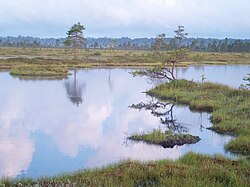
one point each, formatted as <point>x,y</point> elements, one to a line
<point>39,71</point>
<point>230,107</point>
<point>166,139</point>
<point>190,170</point>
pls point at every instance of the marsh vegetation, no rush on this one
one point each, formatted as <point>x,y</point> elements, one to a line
<point>12,57</point>
<point>190,170</point>
<point>230,107</point>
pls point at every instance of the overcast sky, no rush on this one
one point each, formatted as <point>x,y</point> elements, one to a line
<point>132,18</point>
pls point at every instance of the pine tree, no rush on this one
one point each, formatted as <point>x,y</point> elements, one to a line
<point>180,35</point>
<point>160,43</point>
<point>75,37</point>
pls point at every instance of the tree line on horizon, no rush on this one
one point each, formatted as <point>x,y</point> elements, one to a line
<point>160,42</point>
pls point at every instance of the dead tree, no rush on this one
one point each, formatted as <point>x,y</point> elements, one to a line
<point>167,69</point>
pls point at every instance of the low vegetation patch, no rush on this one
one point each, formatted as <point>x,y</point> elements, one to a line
<point>190,170</point>
<point>166,139</point>
<point>230,107</point>
<point>39,71</point>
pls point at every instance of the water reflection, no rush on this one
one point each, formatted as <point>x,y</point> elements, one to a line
<point>74,89</point>
<point>16,148</point>
<point>110,81</point>
<point>43,134</point>
<point>201,121</point>
<point>225,74</point>
<point>164,111</point>
<point>39,78</point>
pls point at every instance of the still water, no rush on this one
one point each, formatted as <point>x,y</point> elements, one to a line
<point>52,126</point>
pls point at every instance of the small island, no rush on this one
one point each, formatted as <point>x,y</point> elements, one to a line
<point>166,139</point>
<point>39,71</point>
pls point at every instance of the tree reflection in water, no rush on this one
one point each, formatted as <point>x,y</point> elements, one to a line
<point>110,81</point>
<point>74,89</point>
<point>164,111</point>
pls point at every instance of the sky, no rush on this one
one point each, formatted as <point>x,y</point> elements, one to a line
<point>126,18</point>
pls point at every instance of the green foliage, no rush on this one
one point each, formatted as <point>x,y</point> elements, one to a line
<point>247,85</point>
<point>247,78</point>
<point>138,73</point>
<point>230,107</point>
<point>76,28</point>
<point>75,37</point>
<point>160,43</point>
<point>180,35</point>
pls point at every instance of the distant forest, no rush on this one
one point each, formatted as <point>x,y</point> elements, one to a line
<point>125,43</point>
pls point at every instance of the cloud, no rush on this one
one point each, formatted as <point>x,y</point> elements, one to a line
<point>134,18</point>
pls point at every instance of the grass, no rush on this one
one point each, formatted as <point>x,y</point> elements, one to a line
<point>13,57</point>
<point>166,139</point>
<point>39,71</point>
<point>220,58</point>
<point>230,107</point>
<point>190,170</point>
